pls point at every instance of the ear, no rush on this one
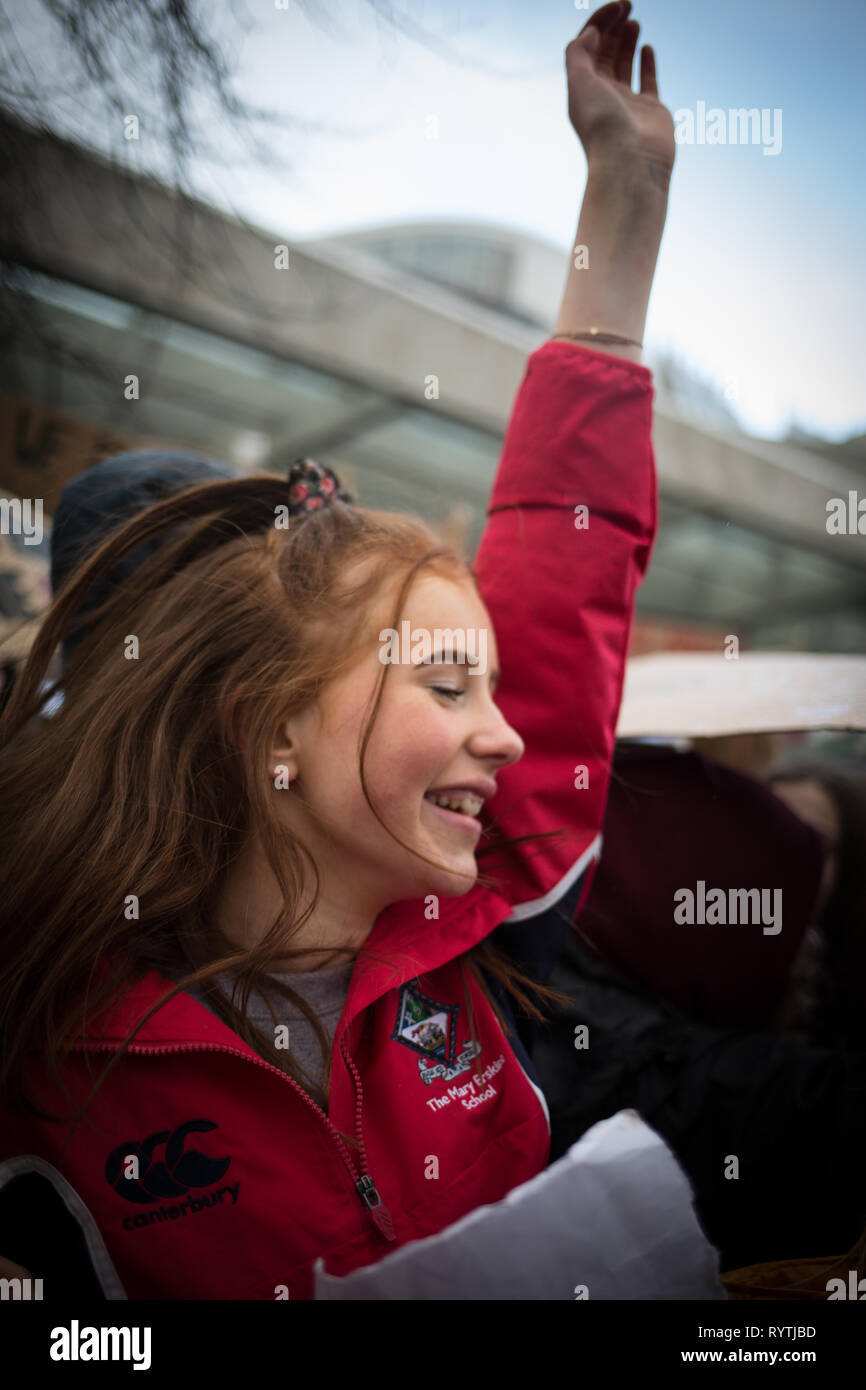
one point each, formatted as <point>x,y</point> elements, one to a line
<point>283,751</point>
<point>283,747</point>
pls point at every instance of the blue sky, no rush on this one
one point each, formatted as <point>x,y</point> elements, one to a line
<point>760,285</point>
<point>761,280</point>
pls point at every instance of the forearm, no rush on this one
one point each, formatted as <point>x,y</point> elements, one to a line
<point>621,222</point>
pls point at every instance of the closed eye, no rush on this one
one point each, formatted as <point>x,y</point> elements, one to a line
<point>448,690</point>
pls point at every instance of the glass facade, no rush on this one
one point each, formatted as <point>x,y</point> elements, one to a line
<point>206,393</point>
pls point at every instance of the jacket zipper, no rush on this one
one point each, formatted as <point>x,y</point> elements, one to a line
<point>362,1180</point>
<point>365,1185</point>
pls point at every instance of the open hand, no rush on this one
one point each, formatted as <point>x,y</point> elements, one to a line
<point>612,121</point>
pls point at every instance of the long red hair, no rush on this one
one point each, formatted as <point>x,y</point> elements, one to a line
<point>136,785</point>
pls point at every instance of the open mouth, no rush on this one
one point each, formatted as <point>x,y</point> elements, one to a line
<point>457,810</point>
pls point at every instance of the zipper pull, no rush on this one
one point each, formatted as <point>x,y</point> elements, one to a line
<point>380,1214</point>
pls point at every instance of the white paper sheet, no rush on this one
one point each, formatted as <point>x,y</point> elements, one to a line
<point>614,1217</point>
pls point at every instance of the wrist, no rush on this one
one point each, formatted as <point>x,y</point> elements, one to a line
<point>632,173</point>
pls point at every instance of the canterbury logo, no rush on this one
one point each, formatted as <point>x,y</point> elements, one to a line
<point>159,1167</point>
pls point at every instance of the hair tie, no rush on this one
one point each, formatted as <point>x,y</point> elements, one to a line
<point>312,485</point>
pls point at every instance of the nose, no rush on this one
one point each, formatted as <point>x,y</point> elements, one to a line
<point>497,741</point>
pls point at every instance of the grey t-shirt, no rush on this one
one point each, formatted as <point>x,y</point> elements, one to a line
<point>324,990</point>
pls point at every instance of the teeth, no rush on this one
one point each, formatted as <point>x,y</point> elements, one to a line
<point>466,802</point>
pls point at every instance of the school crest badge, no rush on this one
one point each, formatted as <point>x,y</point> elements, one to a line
<point>430,1028</point>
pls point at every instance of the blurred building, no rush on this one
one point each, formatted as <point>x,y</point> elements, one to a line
<point>392,354</point>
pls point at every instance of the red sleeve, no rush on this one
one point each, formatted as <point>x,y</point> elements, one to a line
<point>560,586</point>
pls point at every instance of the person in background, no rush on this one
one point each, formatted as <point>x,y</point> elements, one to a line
<point>92,505</point>
<point>680,1021</point>
<point>675,819</point>
<point>100,500</point>
<point>830,975</point>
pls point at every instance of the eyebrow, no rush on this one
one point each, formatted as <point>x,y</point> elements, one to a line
<point>455,657</point>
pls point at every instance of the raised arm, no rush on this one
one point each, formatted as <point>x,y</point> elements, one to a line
<point>573,508</point>
<point>628,138</point>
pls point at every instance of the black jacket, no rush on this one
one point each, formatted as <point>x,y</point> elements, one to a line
<point>793,1117</point>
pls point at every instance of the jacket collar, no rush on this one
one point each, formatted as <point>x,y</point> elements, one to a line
<point>410,943</point>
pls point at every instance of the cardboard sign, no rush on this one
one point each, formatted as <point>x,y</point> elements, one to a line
<point>704,695</point>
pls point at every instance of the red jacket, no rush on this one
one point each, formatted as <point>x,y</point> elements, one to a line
<point>243,1180</point>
